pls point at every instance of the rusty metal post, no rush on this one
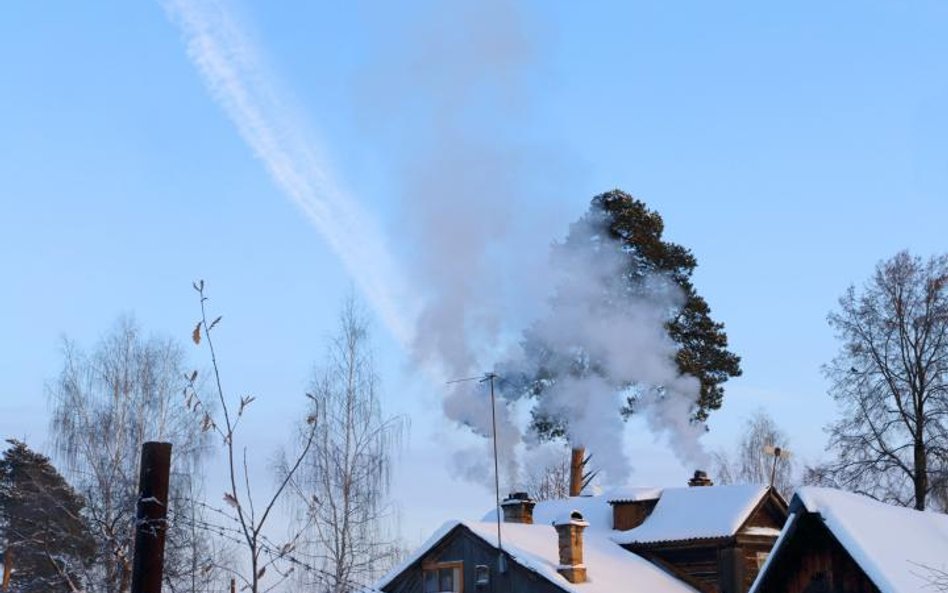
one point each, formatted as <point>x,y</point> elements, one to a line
<point>576,463</point>
<point>151,518</point>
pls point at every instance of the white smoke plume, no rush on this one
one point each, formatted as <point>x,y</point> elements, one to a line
<point>466,196</point>
<point>603,338</point>
<point>472,248</point>
<point>467,190</point>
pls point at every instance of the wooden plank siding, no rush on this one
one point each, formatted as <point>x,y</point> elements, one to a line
<point>460,545</point>
<point>754,553</point>
<point>811,560</point>
<point>724,564</point>
<point>630,514</point>
<point>695,563</point>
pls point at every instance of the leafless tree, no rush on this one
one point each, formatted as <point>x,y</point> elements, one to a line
<point>752,464</point>
<point>930,577</point>
<point>890,380</point>
<point>550,481</point>
<point>344,483</point>
<point>105,405</point>
<point>195,561</point>
<point>242,521</point>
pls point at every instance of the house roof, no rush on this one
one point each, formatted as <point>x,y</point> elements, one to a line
<point>681,514</point>
<point>535,547</point>
<point>696,513</point>
<point>596,511</point>
<point>896,547</point>
<point>631,494</point>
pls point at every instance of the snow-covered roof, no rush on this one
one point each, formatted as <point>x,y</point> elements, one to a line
<point>609,567</point>
<point>631,494</point>
<point>596,511</point>
<point>696,513</point>
<point>896,547</point>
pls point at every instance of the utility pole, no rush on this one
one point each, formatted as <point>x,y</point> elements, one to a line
<point>151,518</point>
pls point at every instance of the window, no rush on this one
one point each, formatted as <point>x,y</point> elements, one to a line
<point>444,577</point>
<point>481,575</point>
<point>761,559</point>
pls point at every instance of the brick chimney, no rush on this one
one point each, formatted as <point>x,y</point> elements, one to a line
<point>700,479</point>
<point>570,532</point>
<point>518,508</point>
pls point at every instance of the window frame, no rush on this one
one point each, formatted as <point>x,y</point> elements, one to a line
<point>456,565</point>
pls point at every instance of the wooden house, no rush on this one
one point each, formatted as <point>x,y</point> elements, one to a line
<point>714,538</point>
<point>840,542</point>
<point>642,540</point>
<point>463,557</point>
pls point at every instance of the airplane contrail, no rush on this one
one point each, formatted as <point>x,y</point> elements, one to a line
<point>233,71</point>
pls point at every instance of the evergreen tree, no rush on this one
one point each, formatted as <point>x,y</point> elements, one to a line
<point>702,343</point>
<point>620,226</point>
<point>46,540</point>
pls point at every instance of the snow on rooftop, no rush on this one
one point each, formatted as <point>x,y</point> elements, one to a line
<point>631,494</point>
<point>895,546</point>
<point>596,511</point>
<point>681,513</point>
<point>696,513</point>
<point>416,555</point>
<point>535,547</point>
<point>609,567</point>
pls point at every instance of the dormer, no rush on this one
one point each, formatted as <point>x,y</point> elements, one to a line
<point>631,506</point>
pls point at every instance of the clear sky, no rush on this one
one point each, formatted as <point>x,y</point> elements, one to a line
<point>791,146</point>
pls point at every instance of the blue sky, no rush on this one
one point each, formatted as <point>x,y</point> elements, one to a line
<point>790,146</point>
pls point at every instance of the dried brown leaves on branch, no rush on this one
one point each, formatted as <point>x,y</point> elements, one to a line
<point>242,523</point>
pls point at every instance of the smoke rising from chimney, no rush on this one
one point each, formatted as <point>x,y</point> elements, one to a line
<point>602,339</point>
<point>475,230</point>
<point>469,192</point>
<point>467,222</point>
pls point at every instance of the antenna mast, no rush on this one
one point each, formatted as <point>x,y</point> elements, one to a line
<point>489,378</point>
<point>778,453</point>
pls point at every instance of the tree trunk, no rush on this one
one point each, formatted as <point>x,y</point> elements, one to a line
<point>920,479</point>
<point>7,567</point>
<point>576,471</point>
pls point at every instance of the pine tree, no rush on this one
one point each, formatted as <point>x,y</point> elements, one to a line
<point>702,342</point>
<point>617,222</point>
<point>46,540</point>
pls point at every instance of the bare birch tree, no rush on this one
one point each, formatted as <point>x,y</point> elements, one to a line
<point>890,380</point>
<point>751,464</point>
<point>549,481</point>
<point>345,480</point>
<point>105,404</point>
<point>265,562</point>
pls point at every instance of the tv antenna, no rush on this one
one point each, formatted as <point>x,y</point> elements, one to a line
<point>777,453</point>
<point>489,378</point>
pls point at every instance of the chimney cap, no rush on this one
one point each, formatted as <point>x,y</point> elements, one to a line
<point>574,517</point>
<point>700,478</point>
<point>517,498</point>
